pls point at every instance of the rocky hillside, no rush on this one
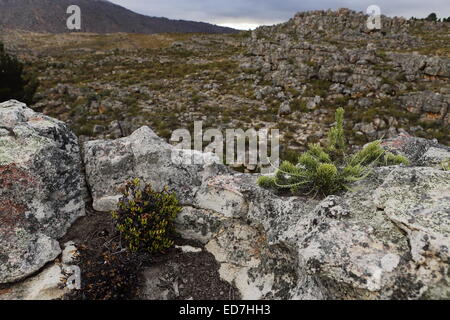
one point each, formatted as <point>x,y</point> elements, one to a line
<point>99,16</point>
<point>291,76</point>
<point>396,77</point>
<point>388,238</point>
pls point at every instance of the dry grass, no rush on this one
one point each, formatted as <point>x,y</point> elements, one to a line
<point>48,43</point>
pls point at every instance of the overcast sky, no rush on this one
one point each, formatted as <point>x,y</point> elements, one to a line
<point>245,14</point>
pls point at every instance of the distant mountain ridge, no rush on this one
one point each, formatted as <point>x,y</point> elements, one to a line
<point>98,16</point>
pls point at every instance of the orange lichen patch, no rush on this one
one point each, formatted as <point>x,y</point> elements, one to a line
<point>432,78</point>
<point>432,116</point>
<point>35,119</point>
<point>102,109</point>
<point>5,291</point>
<point>11,175</point>
<point>258,244</point>
<point>398,142</point>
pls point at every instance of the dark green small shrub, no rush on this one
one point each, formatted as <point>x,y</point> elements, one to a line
<point>196,98</point>
<point>431,17</point>
<point>145,217</point>
<point>15,83</point>
<point>299,104</point>
<point>329,170</point>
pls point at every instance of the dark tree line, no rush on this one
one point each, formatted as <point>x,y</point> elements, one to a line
<point>432,17</point>
<point>15,83</point>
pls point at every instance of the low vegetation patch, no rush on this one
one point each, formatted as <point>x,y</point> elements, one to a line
<point>328,170</point>
<point>145,218</point>
<point>15,83</point>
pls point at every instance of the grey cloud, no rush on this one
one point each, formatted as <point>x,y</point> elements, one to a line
<point>273,11</point>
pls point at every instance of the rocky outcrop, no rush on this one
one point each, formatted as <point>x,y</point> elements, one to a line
<point>41,189</point>
<point>322,59</point>
<point>416,66</point>
<point>420,152</point>
<point>387,239</point>
<point>433,107</point>
<point>53,282</point>
<point>146,156</point>
<point>294,75</point>
<point>374,251</point>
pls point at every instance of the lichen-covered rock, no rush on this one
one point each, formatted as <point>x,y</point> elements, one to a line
<point>349,254</point>
<point>347,247</point>
<point>419,151</point>
<point>44,286</point>
<point>110,163</point>
<point>200,224</point>
<point>394,242</point>
<point>415,64</point>
<point>285,109</point>
<point>53,282</point>
<point>417,201</point>
<point>42,189</point>
<point>431,105</point>
<point>257,269</point>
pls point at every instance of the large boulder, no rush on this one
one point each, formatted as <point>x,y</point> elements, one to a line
<point>387,239</point>
<point>110,163</point>
<point>42,189</point>
<point>393,242</point>
<point>417,65</point>
<point>53,282</point>
<point>419,151</point>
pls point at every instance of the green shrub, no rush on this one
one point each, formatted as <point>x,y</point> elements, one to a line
<point>336,136</point>
<point>145,218</point>
<point>329,170</point>
<point>14,82</point>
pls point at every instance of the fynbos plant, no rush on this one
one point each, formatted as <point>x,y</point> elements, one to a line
<point>329,170</point>
<point>145,217</point>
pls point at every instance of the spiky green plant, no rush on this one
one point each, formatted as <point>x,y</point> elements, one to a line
<point>336,136</point>
<point>329,170</point>
<point>145,218</point>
